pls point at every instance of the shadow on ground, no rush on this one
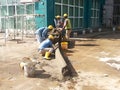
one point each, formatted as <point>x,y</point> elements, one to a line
<point>41,74</point>
<point>86,45</point>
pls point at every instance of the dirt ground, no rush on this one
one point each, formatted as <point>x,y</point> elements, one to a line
<point>96,61</point>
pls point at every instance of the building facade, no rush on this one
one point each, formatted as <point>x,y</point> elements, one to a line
<point>16,16</point>
<point>82,13</point>
<point>116,13</point>
<point>30,16</point>
<point>111,13</point>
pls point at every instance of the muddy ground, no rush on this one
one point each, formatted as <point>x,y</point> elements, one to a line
<point>96,60</point>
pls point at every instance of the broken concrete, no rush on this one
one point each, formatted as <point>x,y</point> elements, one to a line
<point>59,68</point>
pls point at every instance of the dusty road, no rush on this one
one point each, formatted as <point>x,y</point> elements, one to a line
<point>91,58</point>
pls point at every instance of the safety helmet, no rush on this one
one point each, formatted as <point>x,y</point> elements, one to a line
<point>58,16</point>
<point>65,15</point>
<point>51,37</point>
<point>50,27</point>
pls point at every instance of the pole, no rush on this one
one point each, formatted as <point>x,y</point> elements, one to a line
<point>5,31</point>
<point>22,26</point>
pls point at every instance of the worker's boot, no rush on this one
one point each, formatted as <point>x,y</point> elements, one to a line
<point>47,54</point>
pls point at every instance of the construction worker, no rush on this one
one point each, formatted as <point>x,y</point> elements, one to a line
<point>42,33</point>
<point>67,26</point>
<point>47,47</point>
<point>58,21</point>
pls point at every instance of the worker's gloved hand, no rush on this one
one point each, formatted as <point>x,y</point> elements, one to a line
<point>60,29</point>
<point>56,44</point>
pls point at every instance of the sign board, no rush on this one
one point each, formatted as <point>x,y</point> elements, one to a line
<point>28,1</point>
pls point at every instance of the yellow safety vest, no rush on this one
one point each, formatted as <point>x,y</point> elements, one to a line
<point>68,26</point>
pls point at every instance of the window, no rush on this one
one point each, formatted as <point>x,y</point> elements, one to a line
<point>3,10</point>
<point>3,2</point>
<point>70,11</point>
<point>58,1</point>
<point>65,1</point>
<point>76,11</point>
<point>12,23</point>
<point>71,2</point>
<point>12,14</point>
<point>29,9</point>
<point>74,8</point>
<point>80,22</point>
<point>3,23</point>
<point>11,10</point>
<point>19,21</point>
<point>20,9</point>
<point>77,2</point>
<point>76,22</point>
<point>81,12</point>
<point>81,2</point>
<point>94,13</point>
<point>11,1</point>
<point>65,9</point>
<point>116,12</point>
<point>57,10</point>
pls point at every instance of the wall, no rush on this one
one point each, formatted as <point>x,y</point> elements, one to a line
<point>45,11</point>
<point>41,13</point>
<point>89,17</point>
<point>108,13</point>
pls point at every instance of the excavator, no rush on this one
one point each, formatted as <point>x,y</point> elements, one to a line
<point>59,68</point>
<point>65,68</point>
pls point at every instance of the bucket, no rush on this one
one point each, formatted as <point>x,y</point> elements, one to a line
<point>29,70</point>
<point>64,45</point>
<point>71,44</point>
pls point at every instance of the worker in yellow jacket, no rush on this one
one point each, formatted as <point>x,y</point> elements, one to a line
<point>67,26</point>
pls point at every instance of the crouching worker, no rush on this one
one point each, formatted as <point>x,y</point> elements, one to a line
<point>47,47</point>
<point>42,33</point>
